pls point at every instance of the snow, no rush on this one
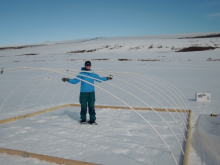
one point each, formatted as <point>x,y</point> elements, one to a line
<point>207,129</point>
<point>121,136</point>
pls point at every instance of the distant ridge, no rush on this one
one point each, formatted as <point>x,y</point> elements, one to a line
<point>205,36</point>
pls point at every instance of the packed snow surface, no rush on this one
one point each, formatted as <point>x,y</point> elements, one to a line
<point>31,81</point>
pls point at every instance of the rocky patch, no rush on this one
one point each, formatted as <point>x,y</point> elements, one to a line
<point>124,60</point>
<point>196,48</point>
<point>210,59</point>
<point>100,59</point>
<point>148,60</point>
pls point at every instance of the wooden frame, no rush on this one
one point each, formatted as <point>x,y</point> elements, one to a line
<point>73,162</point>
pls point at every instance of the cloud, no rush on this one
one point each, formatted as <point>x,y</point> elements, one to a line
<point>215,15</point>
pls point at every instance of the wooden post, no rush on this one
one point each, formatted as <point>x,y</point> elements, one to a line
<point>186,155</point>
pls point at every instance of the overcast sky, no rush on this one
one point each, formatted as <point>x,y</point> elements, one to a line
<point>32,21</point>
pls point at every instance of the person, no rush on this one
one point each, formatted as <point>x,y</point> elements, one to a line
<point>87,91</point>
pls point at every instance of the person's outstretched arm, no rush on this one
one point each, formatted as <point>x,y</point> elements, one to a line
<point>103,78</point>
<point>72,81</point>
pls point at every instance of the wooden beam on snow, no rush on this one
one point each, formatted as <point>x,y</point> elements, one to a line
<point>32,114</point>
<point>78,105</point>
<point>44,157</point>
<point>135,108</point>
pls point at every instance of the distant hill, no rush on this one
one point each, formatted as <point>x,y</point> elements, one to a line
<point>205,36</point>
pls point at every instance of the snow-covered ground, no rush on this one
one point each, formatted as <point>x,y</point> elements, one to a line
<point>121,136</point>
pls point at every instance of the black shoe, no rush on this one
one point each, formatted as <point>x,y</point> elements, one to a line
<point>83,122</point>
<point>92,122</point>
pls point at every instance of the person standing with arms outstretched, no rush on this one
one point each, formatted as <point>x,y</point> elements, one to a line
<point>87,91</point>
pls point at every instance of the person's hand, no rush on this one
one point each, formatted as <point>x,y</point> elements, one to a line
<point>65,79</point>
<point>110,77</point>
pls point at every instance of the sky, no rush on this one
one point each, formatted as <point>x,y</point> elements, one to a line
<point>34,21</point>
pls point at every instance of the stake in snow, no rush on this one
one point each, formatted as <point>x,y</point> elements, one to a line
<point>2,70</point>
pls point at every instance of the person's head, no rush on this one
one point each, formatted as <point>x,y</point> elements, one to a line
<point>88,65</point>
